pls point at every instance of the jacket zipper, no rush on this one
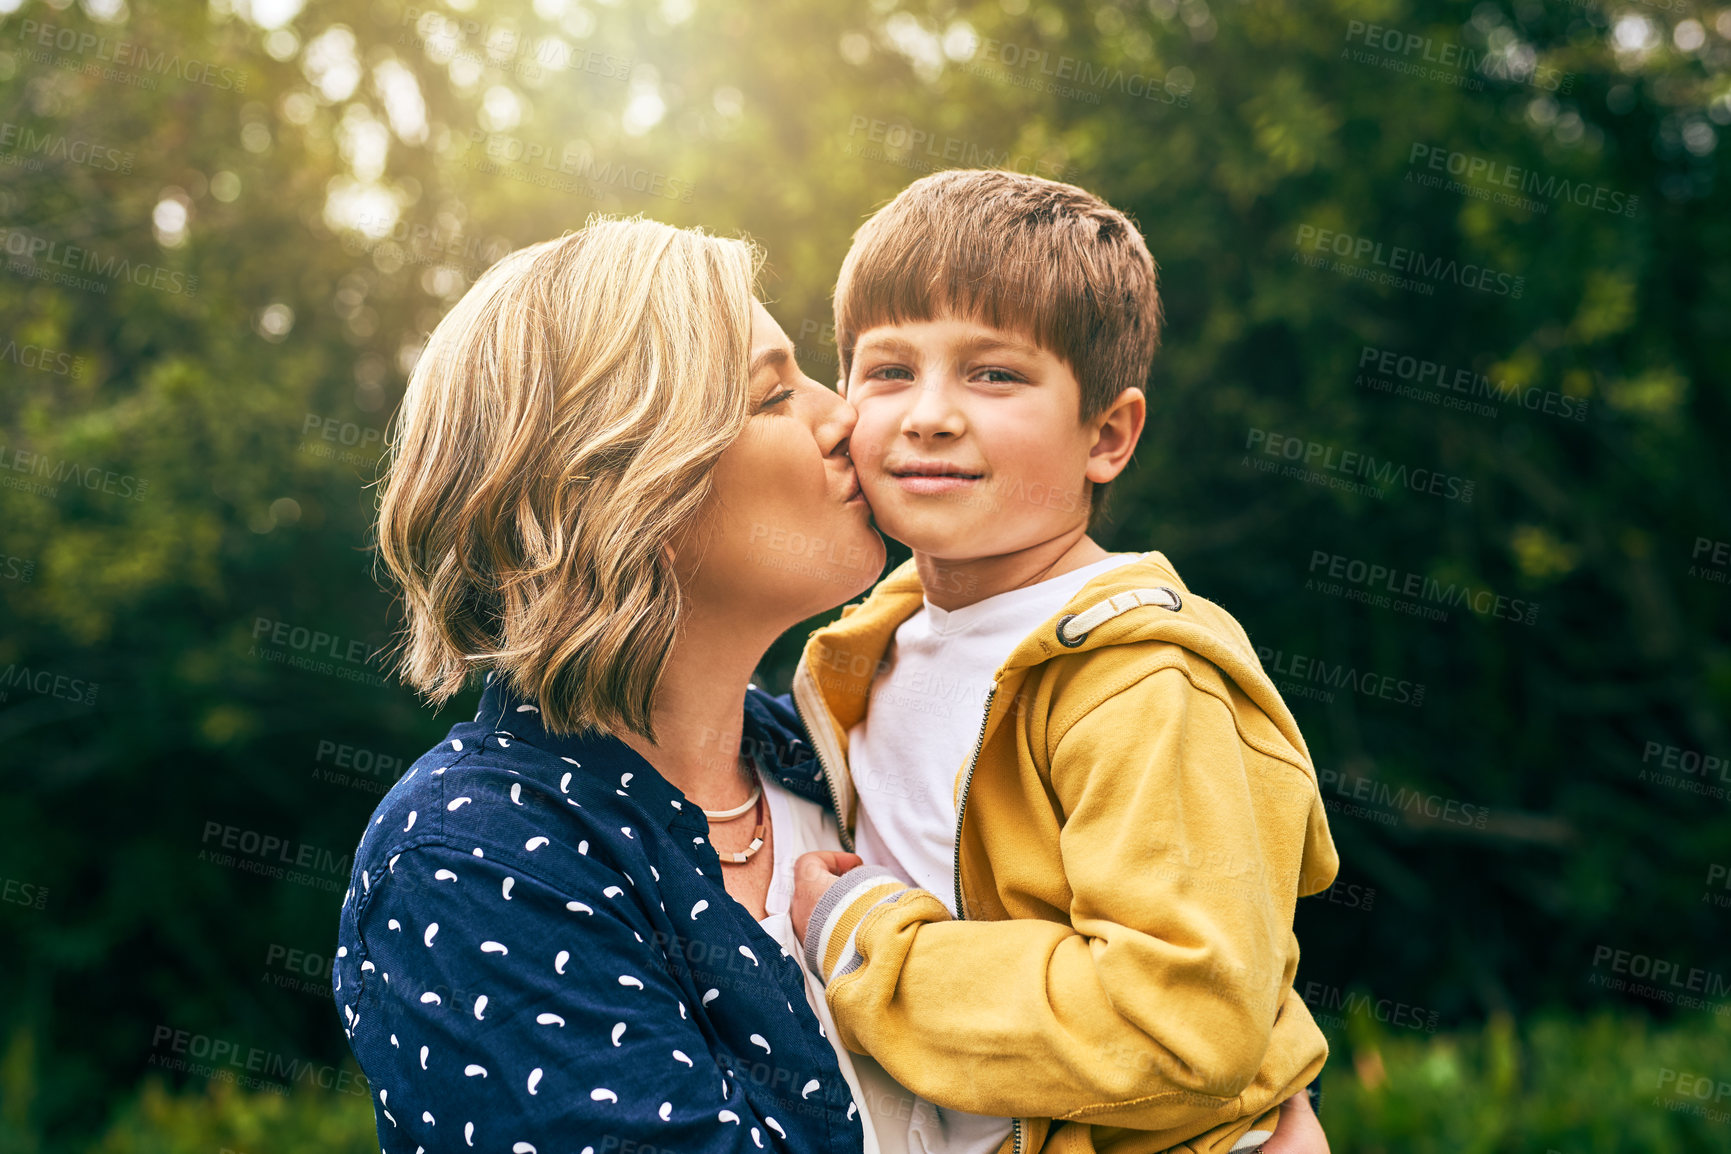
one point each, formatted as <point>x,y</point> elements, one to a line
<point>842,830</point>
<point>961,807</point>
<point>962,801</point>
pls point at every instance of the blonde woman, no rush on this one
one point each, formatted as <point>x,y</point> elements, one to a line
<point>610,489</point>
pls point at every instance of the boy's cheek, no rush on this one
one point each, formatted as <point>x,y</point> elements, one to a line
<point>869,442</point>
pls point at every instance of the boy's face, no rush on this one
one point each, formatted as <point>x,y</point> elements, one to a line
<point>970,442</point>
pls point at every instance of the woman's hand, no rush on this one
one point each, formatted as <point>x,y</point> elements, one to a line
<point>813,874</point>
<point>1299,1132</point>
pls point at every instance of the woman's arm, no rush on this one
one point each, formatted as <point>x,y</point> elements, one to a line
<point>1299,1131</point>
<point>498,1011</point>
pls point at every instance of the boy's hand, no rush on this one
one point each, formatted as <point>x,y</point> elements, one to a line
<point>813,874</point>
<point>1299,1132</point>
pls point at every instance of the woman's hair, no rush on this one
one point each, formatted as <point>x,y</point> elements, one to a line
<point>558,433</point>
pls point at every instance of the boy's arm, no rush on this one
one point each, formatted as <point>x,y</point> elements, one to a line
<point>1182,849</point>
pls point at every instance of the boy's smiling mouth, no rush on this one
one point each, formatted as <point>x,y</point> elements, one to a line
<point>931,476</point>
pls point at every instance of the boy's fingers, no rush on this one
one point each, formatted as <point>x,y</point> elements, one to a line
<point>833,862</point>
<point>813,874</point>
<point>810,861</point>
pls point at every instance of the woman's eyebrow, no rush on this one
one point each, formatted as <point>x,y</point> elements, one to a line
<point>779,357</point>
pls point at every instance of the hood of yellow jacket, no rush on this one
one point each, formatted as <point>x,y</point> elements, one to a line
<point>1141,600</point>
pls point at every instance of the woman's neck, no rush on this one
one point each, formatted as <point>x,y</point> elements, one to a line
<point>700,706</point>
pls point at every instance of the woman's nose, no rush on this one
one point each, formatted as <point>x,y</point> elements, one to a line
<point>835,423</point>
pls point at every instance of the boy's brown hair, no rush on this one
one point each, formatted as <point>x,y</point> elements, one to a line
<point>1016,252</point>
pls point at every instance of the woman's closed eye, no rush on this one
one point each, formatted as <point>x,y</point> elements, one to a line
<point>775,399</point>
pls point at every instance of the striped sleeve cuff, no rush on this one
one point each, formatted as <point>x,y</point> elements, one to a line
<point>829,936</point>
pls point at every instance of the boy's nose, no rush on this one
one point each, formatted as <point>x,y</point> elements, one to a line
<point>933,413</point>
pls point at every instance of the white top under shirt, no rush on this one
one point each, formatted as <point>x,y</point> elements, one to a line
<point>907,756</point>
<point>800,826</point>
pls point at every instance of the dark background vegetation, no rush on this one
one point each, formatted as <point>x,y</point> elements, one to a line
<point>351,172</point>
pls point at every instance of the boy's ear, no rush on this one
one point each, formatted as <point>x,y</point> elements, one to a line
<point>1116,431</point>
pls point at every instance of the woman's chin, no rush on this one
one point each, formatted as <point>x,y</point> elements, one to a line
<point>845,570</point>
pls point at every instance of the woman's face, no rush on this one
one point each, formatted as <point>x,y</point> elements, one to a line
<point>785,533</point>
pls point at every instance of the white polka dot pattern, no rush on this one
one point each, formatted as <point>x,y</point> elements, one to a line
<point>541,990</point>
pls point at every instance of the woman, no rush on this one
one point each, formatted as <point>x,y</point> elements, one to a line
<point>611,488</point>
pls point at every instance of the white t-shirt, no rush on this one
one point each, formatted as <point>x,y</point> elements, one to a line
<point>798,826</point>
<point>907,755</point>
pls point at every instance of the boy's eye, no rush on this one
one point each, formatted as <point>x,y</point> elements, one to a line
<point>775,399</point>
<point>890,373</point>
<point>998,376</point>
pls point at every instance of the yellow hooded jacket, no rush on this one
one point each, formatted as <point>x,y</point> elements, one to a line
<point>1134,828</point>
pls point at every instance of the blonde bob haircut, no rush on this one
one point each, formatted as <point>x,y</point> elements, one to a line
<point>558,432</point>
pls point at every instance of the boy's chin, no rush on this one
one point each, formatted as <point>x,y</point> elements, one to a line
<point>960,542</point>
<point>935,527</point>
<point>931,540</point>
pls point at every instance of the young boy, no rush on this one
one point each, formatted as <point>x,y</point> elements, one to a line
<point>1086,814</point>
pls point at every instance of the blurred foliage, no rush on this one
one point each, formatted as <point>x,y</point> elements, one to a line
<point>335,175</point>
<point>226,1119</point>
<point>1609,1084</point>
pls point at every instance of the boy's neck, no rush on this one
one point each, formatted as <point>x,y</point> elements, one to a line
<point>952,584</point>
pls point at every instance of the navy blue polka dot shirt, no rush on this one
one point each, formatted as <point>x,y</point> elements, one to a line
<point>537,955</point>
